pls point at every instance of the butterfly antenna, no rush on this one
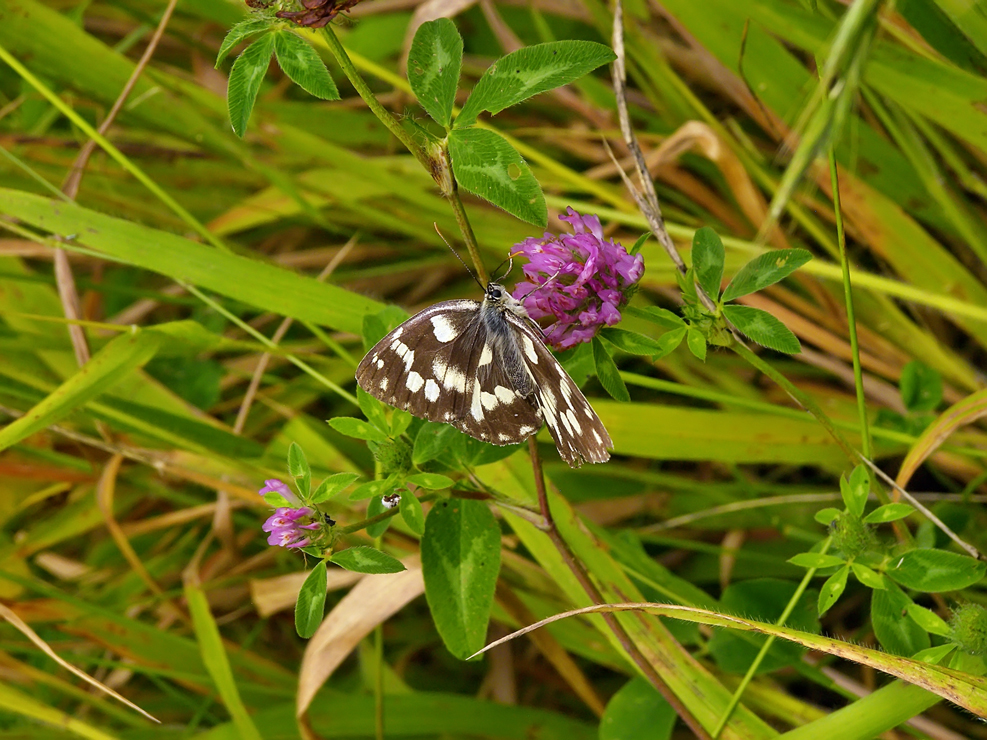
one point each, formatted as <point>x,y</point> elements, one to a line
<point>539,287</point>
<point>510,267</point>
<point>453,250</point>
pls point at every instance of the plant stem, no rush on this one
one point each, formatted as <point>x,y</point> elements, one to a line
<point>748,677</point>
<point>647,670</point>
<point>363,89</point>
<point>467,230</point>
<point>858,378</point>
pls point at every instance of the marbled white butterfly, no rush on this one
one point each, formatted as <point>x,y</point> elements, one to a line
<point>485,369</point>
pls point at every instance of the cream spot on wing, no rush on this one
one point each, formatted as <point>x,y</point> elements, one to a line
<point>397,332</point>
<point>589,412</point>
<point>572,420</point>
<point>380,364</point>
<point>525,430</point>
<point>504,395</point>
<point>443,329</point>
<point>414,381</point>
<point>486,356</point>
<point>399,347</point>
<point>455,380</point>
<point>565,422</point>
<point>383,384</point>
<point>599,440</point>
<point>567,392</point>
<point>476,407</point>
<point>439,369</point>
<point>503,437</point>
<point>529,349</point>
<point>447,415</point>
<point>431,390</point>
<point>489,401</point>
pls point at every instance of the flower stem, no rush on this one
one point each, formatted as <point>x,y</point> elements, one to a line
<point>647,670</point>
<point>467,230</point>
<point>363,89</point>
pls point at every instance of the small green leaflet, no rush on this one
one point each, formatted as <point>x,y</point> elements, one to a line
<point>832,589</point>
<point>631,342</point>
<point>487,165</point>
<point>920,386</point>
<point>431,481</point>
<point>299,469</point>
<point>302,64</point>
<point>245,80</point>
<point>357,428</point>
<point>332,486</point>
<point>763,328</point>
<point>764,270</point>
<point>434,62</point>
<point>707,260</point>
<point>363,559</point>
<point>411,511</point>
<point>529,71</point>
<point>311,602</point>
<point>696,343</point>
<point>607,372</point>
<point>936,571</point>
<point>239,32</point>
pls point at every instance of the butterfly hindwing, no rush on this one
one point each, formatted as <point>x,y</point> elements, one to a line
<point>577,430</point>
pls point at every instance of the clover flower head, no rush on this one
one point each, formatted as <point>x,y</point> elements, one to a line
<point>581,280</point>
<point>290,527</point>
<point>273,485</point>
<point>317,13</point>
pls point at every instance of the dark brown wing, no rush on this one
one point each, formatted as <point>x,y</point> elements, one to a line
<point>578,432</point>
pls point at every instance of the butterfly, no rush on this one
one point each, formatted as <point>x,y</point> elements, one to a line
<point>483,367</point>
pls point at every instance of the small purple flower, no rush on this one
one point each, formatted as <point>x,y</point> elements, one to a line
<point>273,485</point>
<point>581,280</point>
<point>288,527</point>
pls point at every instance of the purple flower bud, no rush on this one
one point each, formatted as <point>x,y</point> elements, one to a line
<point>288,527</point>
<point>273,485</point>
<point>581,280</point>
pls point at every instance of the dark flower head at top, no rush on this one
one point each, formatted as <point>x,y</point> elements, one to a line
<point>316,13</point>
<point>581,280</point>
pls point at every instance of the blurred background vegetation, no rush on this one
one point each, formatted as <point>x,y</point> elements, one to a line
<point>153,472</point>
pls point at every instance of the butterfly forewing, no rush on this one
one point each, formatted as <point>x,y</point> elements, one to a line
<point>578,432</point>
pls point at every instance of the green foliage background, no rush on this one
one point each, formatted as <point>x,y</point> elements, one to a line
<point>717,479</point>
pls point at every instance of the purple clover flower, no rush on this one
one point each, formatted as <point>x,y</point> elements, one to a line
<point>273,485</point>
<point>581,280</point>
<point>289,527</point>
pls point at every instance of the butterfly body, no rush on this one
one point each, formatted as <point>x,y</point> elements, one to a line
<point>485,369</point>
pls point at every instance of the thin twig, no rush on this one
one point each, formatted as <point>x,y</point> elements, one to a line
<point>596,597</point>
<point>64,278</point>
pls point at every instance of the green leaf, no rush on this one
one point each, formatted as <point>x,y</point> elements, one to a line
<point>239,32</point>
<point>889,513</point>
<point>631,342</point>
<point>764,270</point>
<point>934,571</point>
<point>921,387</point>
<point>400,421</point>
<point>487,165</point>
<point>827,516</point>
<point>639,244</point>
<point>374,488</point>
<point>245,79</point>
<point>434,62</point>
<point>637,711</point>
<point>815,560</point>
<point>460,561</point>
<point>607,372</point>
<point>311,603</point>
<point>299,469</point>
<point>372,409</point>
<point>217,662</point>
<point>529,71</point>
<point>708,257</point>
<point>411,510</point>
<point>929,620</point>
<point>431,481</point>
<point>696,343</point>
<point>897,632</point>
<point>357,428</point>
<point>375,507</point>
<point>303,66</point>
<point>832,589</point>
<point>431,441</point>
<point>855,491</point>
<point>332,486</point>
<point>120,357</point>
<point>363,559</point>
<point>672,339</point>
<point>867,576</point>
<point>763,328</point>
<point>660,316</point>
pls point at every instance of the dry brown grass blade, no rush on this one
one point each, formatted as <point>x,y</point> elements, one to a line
<point>18,624</point>
<point>372,601</point>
